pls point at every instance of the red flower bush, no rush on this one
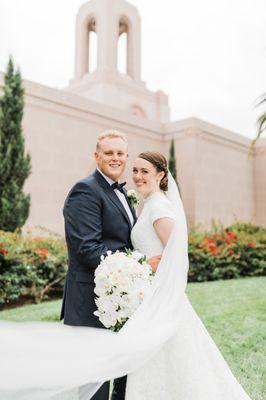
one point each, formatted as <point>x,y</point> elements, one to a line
<point>3,251</point>
<point>217,242</point>
<point>31,268</point>
<point>43,252</point>
<point>239,250</point>
<point>34,268</point>
<point>231,235</point>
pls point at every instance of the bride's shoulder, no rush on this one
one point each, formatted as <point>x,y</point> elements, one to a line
<point>159,199</point>
<point>159,207</point>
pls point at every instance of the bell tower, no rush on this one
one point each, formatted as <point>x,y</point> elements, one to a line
<point>99,25</point>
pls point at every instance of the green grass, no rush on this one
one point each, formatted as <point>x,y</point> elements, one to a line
<point>233,312</point>
<point>47,311</point>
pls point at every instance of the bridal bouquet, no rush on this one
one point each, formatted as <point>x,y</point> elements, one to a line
<point>121,283</point>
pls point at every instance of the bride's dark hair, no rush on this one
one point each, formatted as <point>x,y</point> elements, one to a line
<point>160,164</point>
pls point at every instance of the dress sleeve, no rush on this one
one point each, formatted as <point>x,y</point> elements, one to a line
<point>161,209</point>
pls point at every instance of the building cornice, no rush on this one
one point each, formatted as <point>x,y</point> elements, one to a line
<point>195,127</point>
<point>67,103</point>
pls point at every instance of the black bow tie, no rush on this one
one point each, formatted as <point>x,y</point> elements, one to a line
<point>118,186</point>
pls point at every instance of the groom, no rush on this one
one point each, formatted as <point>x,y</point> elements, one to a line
<point>98,217</point>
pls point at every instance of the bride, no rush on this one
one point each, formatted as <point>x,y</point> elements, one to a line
<point>164,349</point>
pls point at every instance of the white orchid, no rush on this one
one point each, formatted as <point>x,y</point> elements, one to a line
<point>136,255</point>
<point>122,281</point>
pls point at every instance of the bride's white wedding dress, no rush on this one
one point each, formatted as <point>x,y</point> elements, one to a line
<point>174,373</point>
<point>155,379</point>
<point>163,348</point>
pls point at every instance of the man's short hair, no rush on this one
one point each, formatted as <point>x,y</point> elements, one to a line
<point>110,133</point>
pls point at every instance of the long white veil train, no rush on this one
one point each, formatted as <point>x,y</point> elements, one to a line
<point>51,361</point>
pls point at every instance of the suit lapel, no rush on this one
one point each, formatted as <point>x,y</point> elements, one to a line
<point>130,206</point>
<point>111,195</point>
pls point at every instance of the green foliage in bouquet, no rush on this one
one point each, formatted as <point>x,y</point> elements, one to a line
<point>31,268</point>
<point>237,251</point>
<point>14,164</point>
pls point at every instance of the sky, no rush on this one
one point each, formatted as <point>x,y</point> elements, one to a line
<point>209,56</point>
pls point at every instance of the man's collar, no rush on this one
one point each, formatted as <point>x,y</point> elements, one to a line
<point>109,180</point>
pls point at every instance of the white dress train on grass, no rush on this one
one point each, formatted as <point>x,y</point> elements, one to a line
<point>164,348</point>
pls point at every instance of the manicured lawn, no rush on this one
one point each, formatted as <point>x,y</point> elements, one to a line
<point>234,313</point>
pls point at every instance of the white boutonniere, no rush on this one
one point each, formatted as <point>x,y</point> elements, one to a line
<point>133,198</point>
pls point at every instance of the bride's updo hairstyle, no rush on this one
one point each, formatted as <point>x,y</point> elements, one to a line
<point>160,164</point>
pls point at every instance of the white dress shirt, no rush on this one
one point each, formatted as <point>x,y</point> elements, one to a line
<point>120,196</point>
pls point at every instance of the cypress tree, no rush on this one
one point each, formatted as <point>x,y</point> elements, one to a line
<point>14,163</point>
<point>172,163</point>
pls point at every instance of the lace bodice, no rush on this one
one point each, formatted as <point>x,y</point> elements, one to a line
<point>143,235</point>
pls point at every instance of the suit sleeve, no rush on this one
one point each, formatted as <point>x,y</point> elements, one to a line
<point>83,225</point>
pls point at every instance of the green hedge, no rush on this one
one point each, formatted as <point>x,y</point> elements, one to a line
<point>33,269</point>
<point>237,251</point>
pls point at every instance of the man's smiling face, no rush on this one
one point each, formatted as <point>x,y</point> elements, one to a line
<point>111,156</point>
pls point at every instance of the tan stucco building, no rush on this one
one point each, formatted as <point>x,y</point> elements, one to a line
<point>219,179</point>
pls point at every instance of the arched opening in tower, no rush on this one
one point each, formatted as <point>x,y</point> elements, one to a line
<point>122,47</point>
<point>122,53</point>
<point>92,41</point>
<point>92,61</point>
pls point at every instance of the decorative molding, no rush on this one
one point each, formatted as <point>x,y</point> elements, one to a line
<point>88,116</point>
<point>50,97</point>
<point>194,127</point>
<point>66,102</point>
<point>197,123</point>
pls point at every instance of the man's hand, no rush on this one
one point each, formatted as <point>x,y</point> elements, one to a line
<point>154,262</point>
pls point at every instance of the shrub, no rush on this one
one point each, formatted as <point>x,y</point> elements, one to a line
<point>33,268</point>
<point>239,250</point>
<point>30,268</point>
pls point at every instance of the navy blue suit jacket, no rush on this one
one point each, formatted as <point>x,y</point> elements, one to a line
<point>95,222</point>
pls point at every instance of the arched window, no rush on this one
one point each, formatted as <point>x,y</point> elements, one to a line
<point>137,110</point>
<point>122,48</point>
<point>92,46</point>
<point>122,53</point>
